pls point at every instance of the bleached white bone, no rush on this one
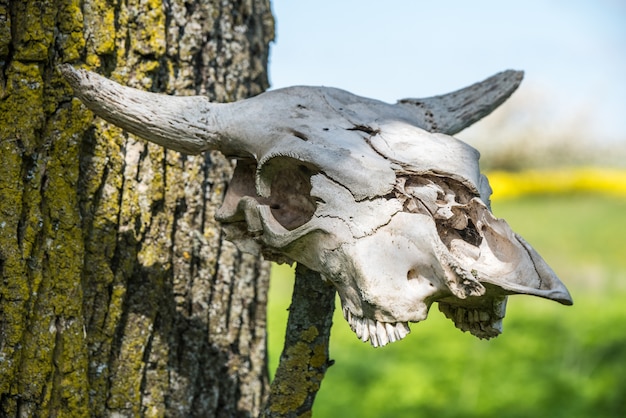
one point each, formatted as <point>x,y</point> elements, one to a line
<point>376,197</point>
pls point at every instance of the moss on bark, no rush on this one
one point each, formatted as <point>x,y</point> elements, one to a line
<point>113,270</point>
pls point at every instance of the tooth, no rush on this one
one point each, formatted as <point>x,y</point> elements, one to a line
<point>500,307</point>
<point>497,325</point>
<point>391,332</point>
<point>381,332</point>
<point>371,325</point>
<point>365,332</point>
<point>460,315</point>
<point>484,316</point>
<point>358,327</point>
<point>374,340</point>
<point>402,330</point>
<point>351,320</point>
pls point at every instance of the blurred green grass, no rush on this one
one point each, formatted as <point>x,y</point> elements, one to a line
<point>550,361</point>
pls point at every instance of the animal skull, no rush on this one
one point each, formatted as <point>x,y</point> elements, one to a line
<point>378,198</point>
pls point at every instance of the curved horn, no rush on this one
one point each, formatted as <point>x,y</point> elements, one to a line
<point>453,112</point>
<point>186,124</point>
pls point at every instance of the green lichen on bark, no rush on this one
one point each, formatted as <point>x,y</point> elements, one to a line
<point>36,23</point>
<point>70,40</point>
<point>108,249</point>
<point>5,29</point>
<point>40,247</point>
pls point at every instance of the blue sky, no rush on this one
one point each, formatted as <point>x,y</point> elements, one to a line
<point>573,52</point>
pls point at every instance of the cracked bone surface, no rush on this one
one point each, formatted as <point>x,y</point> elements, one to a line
<point>377,197</point>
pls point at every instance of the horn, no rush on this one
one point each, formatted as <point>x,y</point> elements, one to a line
<point>187,124</point>
<point>451,113</point>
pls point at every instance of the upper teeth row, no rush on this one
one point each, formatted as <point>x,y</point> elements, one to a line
<point>378,333</point>
<point>478,322</point>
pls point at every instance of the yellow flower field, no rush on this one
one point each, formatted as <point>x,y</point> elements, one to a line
<point>506,184</point>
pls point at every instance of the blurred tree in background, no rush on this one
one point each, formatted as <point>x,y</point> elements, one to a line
<point>524,133</point>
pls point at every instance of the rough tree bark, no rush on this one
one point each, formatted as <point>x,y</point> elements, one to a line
<point>118,295</point>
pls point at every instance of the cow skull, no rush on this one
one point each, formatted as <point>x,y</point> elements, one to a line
<point>378,198</point>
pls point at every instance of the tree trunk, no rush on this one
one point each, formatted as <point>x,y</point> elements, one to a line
<point>119,296</point>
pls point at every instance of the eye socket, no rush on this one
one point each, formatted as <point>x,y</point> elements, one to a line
<point>290,191</point>
<point>286,183</point>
